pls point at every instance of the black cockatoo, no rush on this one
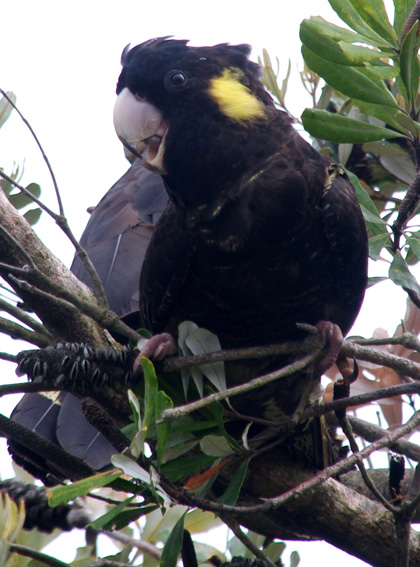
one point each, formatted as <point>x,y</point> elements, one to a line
<point>115,238</point>
<point>261,231</point>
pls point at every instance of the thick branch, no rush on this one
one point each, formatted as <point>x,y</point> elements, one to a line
<point>17,331</point>
<point>62,323</point>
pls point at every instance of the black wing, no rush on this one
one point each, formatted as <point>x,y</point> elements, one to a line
<point>118,234</point>
<point>116,239</point>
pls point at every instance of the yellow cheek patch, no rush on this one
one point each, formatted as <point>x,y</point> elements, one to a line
<point>234,99</point>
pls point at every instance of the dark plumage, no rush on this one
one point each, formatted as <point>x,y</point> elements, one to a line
<point>261,232</point>
<point>121,223</point>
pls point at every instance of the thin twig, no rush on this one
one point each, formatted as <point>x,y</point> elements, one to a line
<point>54,301</point>
<point>16,331</point>
<point>25,191</point>
<point>407,209</point>
<point>179,411</point>
<point>24,317</point>
<point>372,432</point>
<point>8,357</point>
<point>233,525</point>
<point>109,563</point>
<point>37,555</point>
<point>402,366</point>
<point>185,497</point>
<point>87,264</point>
<point>348,432</point>
<point>17,245</point>
<point>61,221</point>
<point>38,143</point>
<point>362,399</point>
<point>144,546</point>
<point>61,296</point>
<point>350,348</point>
<point>308,345</point>
<point>26,388</point>
<point>409,340</point>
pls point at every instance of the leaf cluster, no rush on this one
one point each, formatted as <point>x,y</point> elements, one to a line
<point>368,117</point>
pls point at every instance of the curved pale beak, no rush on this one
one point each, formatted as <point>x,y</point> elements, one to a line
<point>141,128</point>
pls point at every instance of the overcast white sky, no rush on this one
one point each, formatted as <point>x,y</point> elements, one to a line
<point>62,61</point>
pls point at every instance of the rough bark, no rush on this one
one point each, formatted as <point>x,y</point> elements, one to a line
<point>334,512</point>
<point>61,318</point>
<point>65,322</point>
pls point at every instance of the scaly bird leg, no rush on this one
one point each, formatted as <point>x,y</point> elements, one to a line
<point>333,341</point>
<point>156,348</point>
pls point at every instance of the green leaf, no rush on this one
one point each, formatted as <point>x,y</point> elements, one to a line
<point>173,545</point>
<point>125,485</point>
<point>270,78</point>
<point>174,450</point>
<point>33,216</point>
<point>342,129</point>
<point>137,443</point>
<point>371,218</point>
<point>350,15</point>
<point>215,446</point>
<point>337,33</point>
<point>197,521</point>
<point>231,494</point>
<point>131,515</point>
<point>402,166</point>
<point>409,63</point>
<point>150,391</point>
<point>217,412</point>
<point>326,40</point>
<point>362,195</point>
<point>184,330</point>
<point>35,189</point>
<point>62,494</point>
<point>5,107</point>
<point>294,559</point>
<point>195,340</point>
<point>385,149</point>
<point>107,520</point>
<point>350,81</point>
<point>179,468</point>
<point>131,468</point>
<point>414,242</point>
<point>163,402</point>
<point>275,550</point>
<point>375,280</point>
<point>408,124</point>
<point>402,9</point>
<point>358,55</point>
<point>376,243</point>
<point>370,212</point>
<point>20,200</point>
<point>401,275</point>
<point>379,70</point>
<point>202,341</point>
<point>373,12</point>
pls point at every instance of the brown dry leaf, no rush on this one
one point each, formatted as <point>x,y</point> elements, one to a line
<point>200,479</point>
<point>391,407</point>
<point>411,324</point>
<point>384,377</point>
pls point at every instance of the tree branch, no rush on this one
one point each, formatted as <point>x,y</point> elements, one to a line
<point>37,555</point>
<point>179,411</point>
